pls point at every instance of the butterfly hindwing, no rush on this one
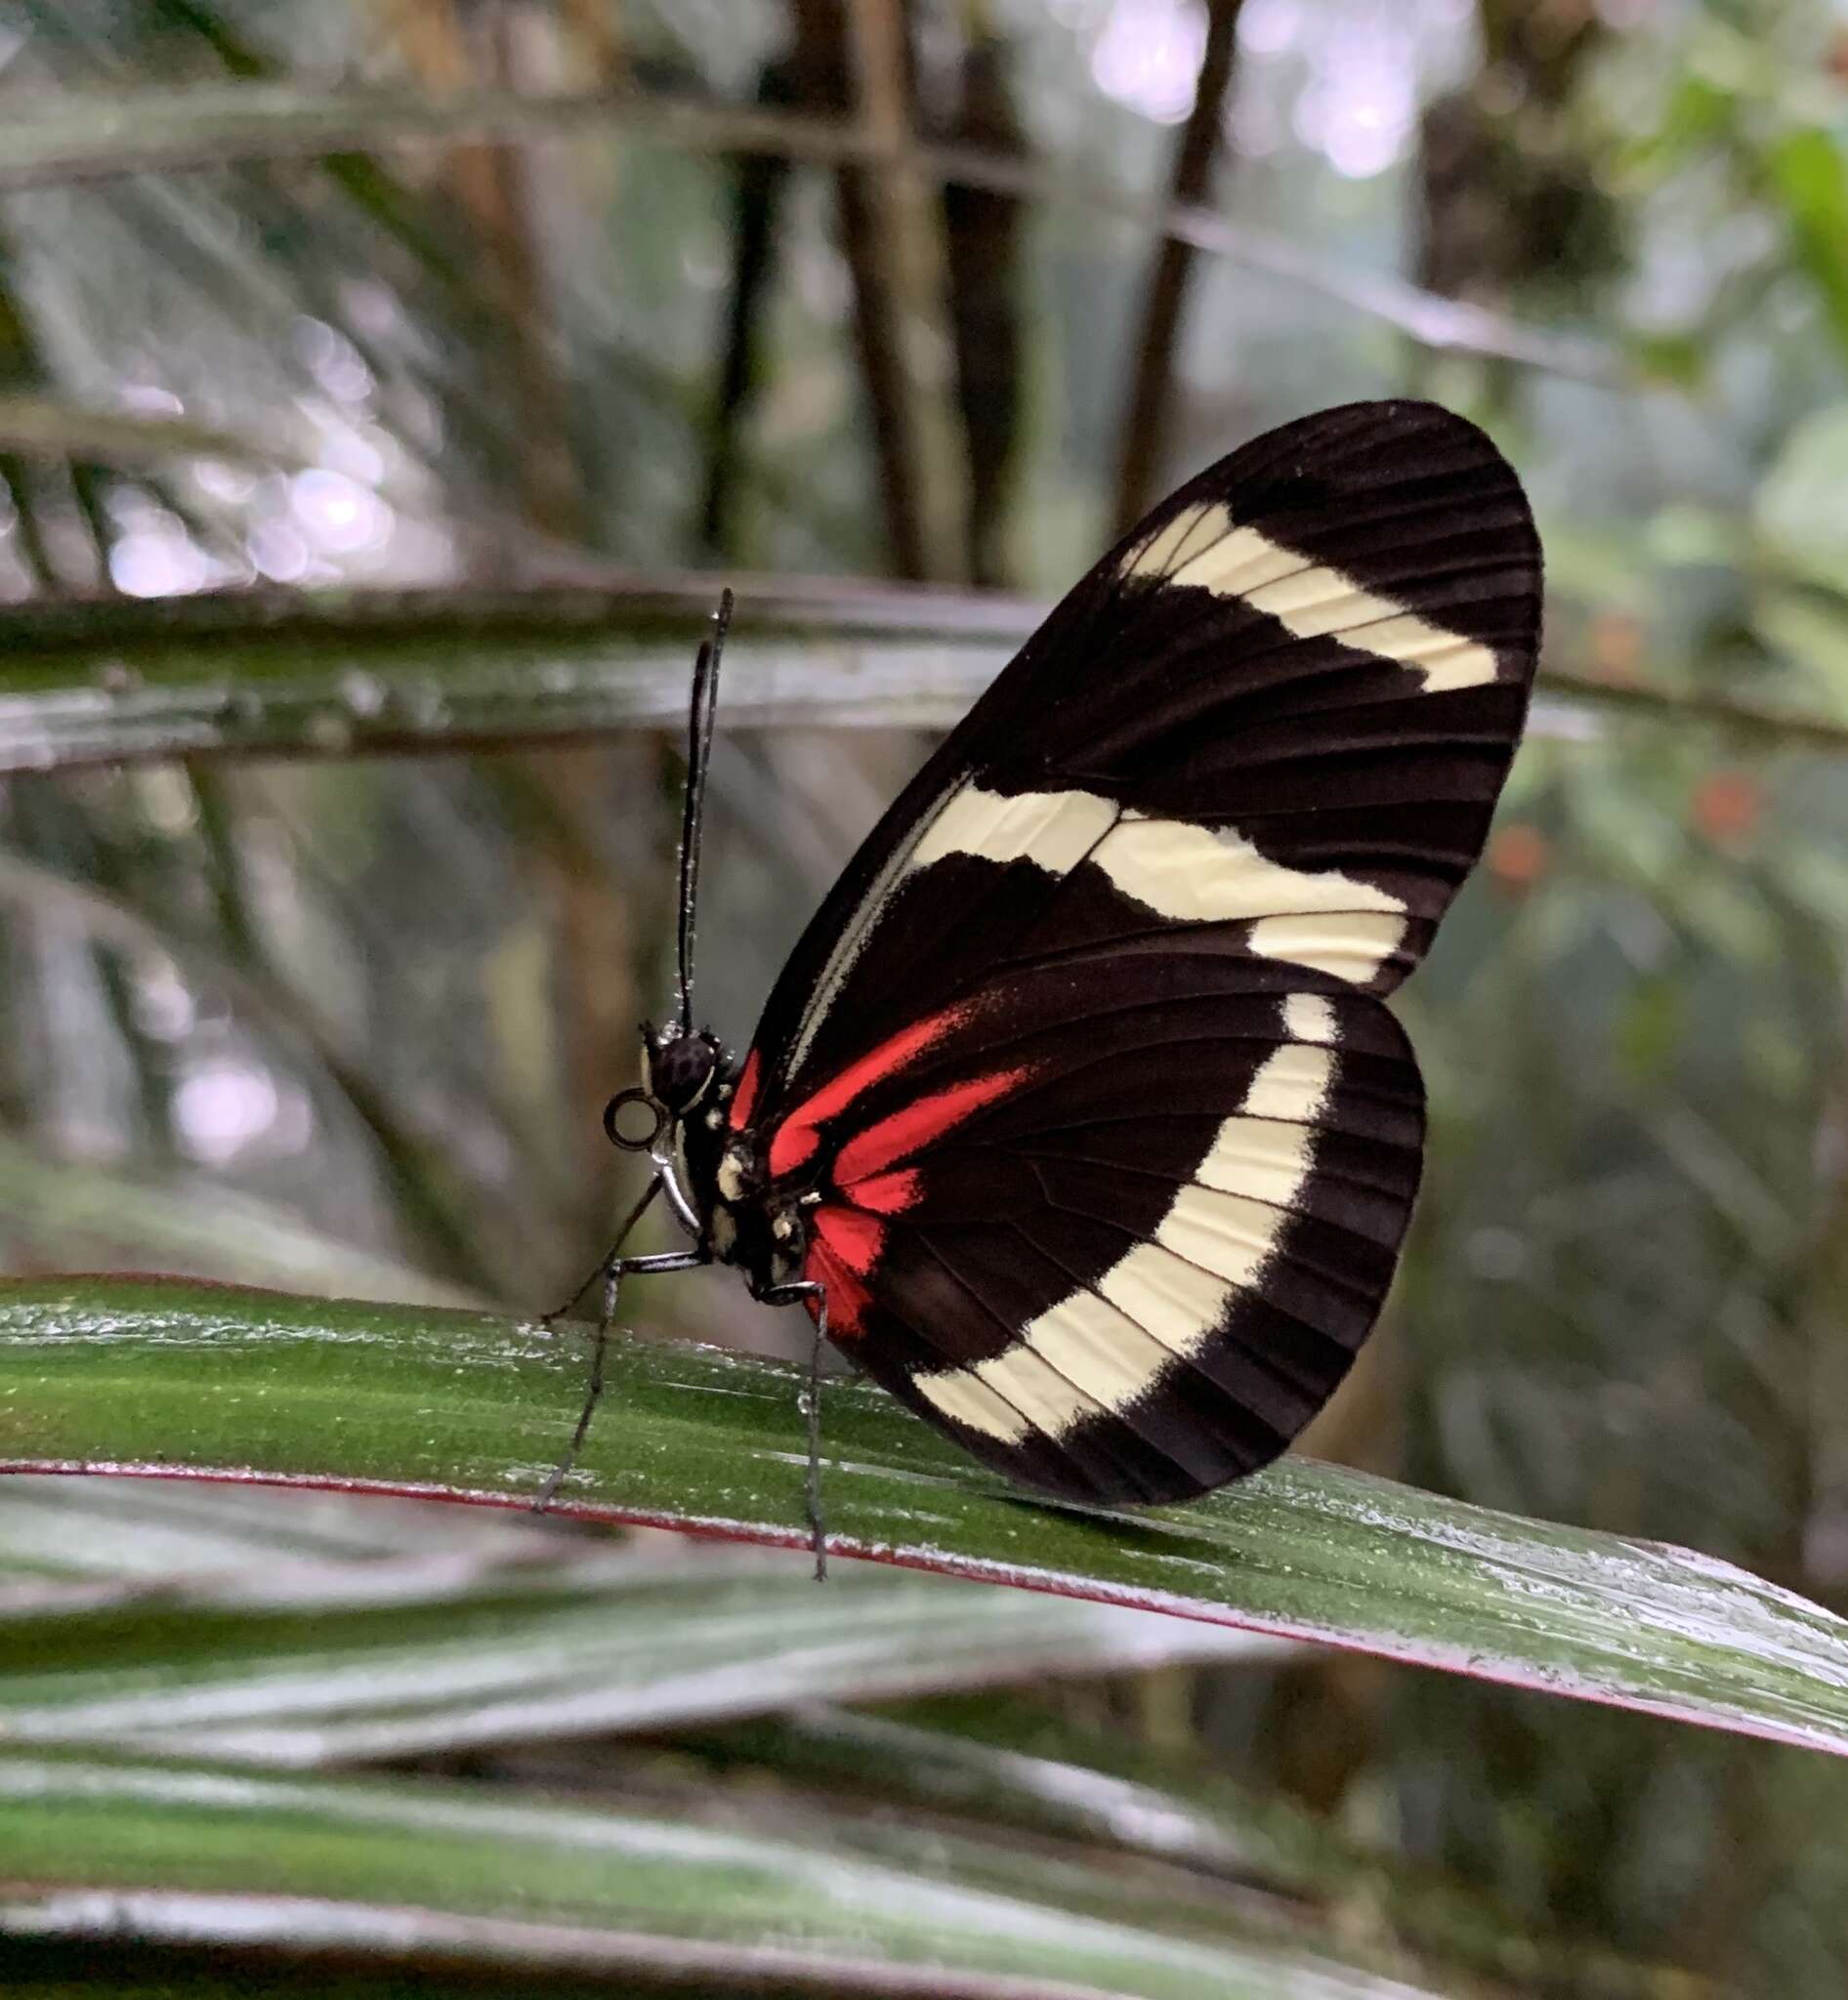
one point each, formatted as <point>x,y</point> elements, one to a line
<point>1125,1239</point>
<point>1111,1142</point>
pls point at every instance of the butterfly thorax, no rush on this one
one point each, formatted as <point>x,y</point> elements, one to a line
<point>751,1221</point>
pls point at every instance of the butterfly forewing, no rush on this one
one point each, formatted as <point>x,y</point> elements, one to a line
<point>1110,1143</point>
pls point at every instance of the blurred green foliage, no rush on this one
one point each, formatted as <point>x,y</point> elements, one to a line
<point>354,1015</point>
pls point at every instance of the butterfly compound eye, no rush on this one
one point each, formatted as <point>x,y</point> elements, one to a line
<point>633,1119</point>
<point>680,1072</point>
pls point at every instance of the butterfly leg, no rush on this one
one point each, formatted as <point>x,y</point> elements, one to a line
<point>613,1270</point>
<point>606,1263</point>
<point>796,1293</point>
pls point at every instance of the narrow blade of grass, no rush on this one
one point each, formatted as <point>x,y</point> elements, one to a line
<point>334,673</point>
<point>377,1872</point>
<point>96,136</point>
<point>340,674</point>
<point>293,1668</point>
<point>126,1535</point>
<point>1196,1822</point>
<point>50,427</point>
<point>71,1213</point>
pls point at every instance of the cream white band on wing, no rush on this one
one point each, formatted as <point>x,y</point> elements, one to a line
<point>1204,547</point>
<point>1054,830</point>
<point>1316,917</point>
<point>1099,1351</point>
<point>1308,1017</point>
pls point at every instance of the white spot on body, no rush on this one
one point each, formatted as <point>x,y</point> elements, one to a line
<point>1203,547</point>
<point>1099,1351</point>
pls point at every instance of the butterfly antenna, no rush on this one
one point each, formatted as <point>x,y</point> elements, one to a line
<point>705,701</point>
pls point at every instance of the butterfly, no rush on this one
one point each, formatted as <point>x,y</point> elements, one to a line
<point>1077,1118</point>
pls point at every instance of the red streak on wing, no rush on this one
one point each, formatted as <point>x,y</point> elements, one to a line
<point>852,1239</point>
<point>744,1099</point>
<point>915,1125</point>
<point>847,1298</point>
<point>797,1137</point>
<point>887,1193</point>
<point>844,1248</point>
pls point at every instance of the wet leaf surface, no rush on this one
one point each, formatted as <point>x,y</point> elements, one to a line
<point>144,1376</point>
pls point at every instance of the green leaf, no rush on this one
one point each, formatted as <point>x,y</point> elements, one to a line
<point>311,1664</point>
<point>192,1225</point>
<point>1190,1818</point>
<point>96,136</point>
<point>45,427</point>
<point>1807,174</point>
<point>88,136</point>
<point>124,1376</point>
<point>1808,629</point>
<point>378,1872</point>
<point>1225,1831</point>
<point>1801,514</point>
<point>144,1532</point>
<point>338,673</point>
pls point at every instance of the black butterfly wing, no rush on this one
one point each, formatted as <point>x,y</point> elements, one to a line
<point>1324,642</point>
<point>1216,807</point>
<point>1121,1228</point>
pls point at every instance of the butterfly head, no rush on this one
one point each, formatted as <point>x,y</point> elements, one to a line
<point>681,1068</point>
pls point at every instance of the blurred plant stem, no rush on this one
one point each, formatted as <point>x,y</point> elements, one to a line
<point>825,75</point>
<point>759,182</point>
<point>150,131</point>
<point>188,1225</point>
<point>495,188</point>
<point>492,186</point>
<point>1142,439</point>
<point>335,673</point>
<point>419,1178</point>
<point>964,1754</point>
<point>904,246</point>
<point>986,246</point>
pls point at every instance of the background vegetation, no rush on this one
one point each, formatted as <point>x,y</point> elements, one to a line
<point>384,389</point>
